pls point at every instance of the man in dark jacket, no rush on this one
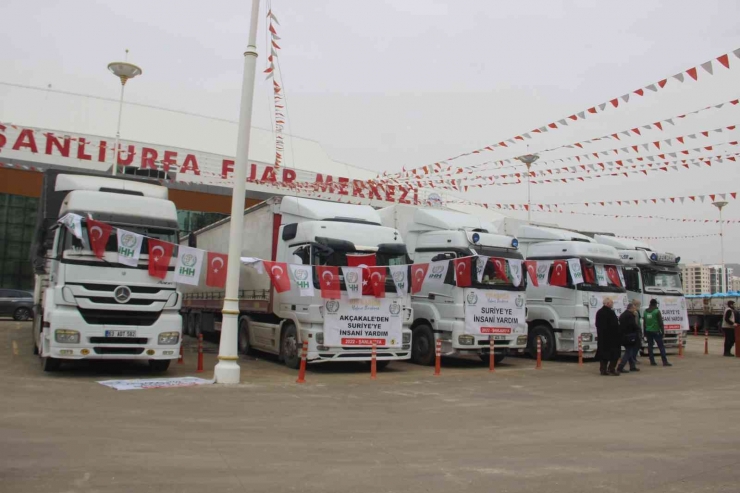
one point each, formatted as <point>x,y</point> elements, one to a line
<point>630,334</point>
<point>610,343</point>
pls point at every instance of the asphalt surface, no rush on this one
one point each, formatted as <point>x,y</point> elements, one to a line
<point>560,429</point>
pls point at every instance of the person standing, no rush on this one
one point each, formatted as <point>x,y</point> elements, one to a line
<point>630,332</point>
<point>729,320</point>
<point>638,318</point>
<point>653,323</point>
<point>609,343</point>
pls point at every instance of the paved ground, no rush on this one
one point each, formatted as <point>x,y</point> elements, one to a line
<point>560,429</point>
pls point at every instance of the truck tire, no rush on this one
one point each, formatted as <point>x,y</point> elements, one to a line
<point>497,358</point>
<point>289,347</point>
<point>22,314</point>
<point>159,365</point>
<point>548,341</point>
<point>191,324</point>
<point>49,364</point>
<point>197,325</point>
<point>422,348</point>
<point>243,344</point>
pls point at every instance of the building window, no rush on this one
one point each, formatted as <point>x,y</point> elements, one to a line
<point>17,224</point>
<point>190,221</point>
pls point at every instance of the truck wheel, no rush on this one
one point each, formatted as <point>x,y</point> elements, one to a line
<point>22,314</point>
<point>422,349</point>
<point>243,340</point>
<point>191,324</point>
<point>49,364</point>
<point>379,365</point>
<point>289,347</point>
<point>159,365</point>
<point>548,341</point>
<point>497,358</point>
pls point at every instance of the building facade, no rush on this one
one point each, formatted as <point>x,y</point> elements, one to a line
<point>716,283</point>
<point>695,279</point>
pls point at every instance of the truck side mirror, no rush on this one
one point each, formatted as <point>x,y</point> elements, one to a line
<point>192,241</point>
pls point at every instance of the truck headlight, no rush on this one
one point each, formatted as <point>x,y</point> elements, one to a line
<point>167,338</point>
<point>521,340</point>
<point>587,337</point>
<point>466,340</point>
<point>320,338</point>
<point>406,337</point>
<point>65,336</point>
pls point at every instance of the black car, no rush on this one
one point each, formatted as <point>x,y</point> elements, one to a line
<point>17,304</point>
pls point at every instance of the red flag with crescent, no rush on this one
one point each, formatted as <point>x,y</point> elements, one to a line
<point>463,272</point>
<point>278,272</point>
<point>418,274</point>
<point>613,275</point>
<point>499,268</point>
<point>589,274</point>
<point>216,273</point>
<point>364,261</point>
<point>377,281</point>
<point>98,233</point>
<point>329,281</point>
<point>531,266</point>
<point>559,273</point>
<point>160,253</point>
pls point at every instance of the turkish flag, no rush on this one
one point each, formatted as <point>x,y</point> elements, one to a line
<point>160,253</point>
<point>499,267</point>
<point>216,273</point>
<point>531,266</point>
<point>377,281</point>
<point>98,233</point>
<point>559,273</point>
<point>613,275</point>
<point>463,272</point>
<point>329,281</point>
<point>364,261</point>
<point>278,272</point>
<point>589,276</point>
<point>418,274</point>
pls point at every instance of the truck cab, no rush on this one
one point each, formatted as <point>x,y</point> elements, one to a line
<point>651,274</point>
<point>448,312</point>
<point>95,308</point>
<point>562,315</point>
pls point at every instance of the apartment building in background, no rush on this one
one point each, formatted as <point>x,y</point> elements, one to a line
<point>695,279</point>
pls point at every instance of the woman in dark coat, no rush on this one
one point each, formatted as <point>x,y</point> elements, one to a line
<point>610,339</point>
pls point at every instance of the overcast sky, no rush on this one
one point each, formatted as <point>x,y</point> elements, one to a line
<point>385,84</point>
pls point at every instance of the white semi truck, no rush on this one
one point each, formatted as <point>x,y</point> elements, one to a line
<point>560,315</point>
<point>303,232</point>
<point>91,308</point>
<point>651,274</point>
<point>450,313</point>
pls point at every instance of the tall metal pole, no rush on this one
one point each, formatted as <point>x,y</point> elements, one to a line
<point>528,160</point>
<point>723,281</point>
<point>227,369</point>
<point>118,128</point>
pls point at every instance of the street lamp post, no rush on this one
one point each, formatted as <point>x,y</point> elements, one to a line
<point>723,282</point>
<point>124,71</point>
<point>227,369</point>
<point>528,159</point>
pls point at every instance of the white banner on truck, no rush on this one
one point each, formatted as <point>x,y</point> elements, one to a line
<point>596,301</point>
<point>673,310</point>
<point>489,312</point>
<point>362,322</point>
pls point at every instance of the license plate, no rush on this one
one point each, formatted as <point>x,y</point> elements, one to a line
<point>499,338</point>
<point>120,333</point>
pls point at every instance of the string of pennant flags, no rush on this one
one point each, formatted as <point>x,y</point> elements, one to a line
<point>692,73</point>
<point>682,237</point>
<point>273,72</point>
<point>361,277</point>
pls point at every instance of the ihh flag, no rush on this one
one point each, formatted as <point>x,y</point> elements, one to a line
<point>129,247</point>
<point>303,278</point>
<point>189,261</point>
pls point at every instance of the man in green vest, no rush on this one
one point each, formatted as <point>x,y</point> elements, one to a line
<point>653,323</point>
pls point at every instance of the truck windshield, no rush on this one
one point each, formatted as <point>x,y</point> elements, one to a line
<point>590,282</point>
<point>490,280</point>
<point>70,242</point>
<point>652,278</point>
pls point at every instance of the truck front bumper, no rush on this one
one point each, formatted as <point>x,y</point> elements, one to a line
<point>323,354</point>
<point>95,343</point>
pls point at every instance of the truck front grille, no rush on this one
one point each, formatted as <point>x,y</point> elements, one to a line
<point>112,301</point>
<point>118,317</point>
<point>134,289</point>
